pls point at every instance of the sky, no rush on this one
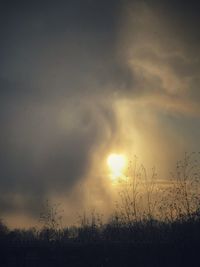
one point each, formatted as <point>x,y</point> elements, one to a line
<point>81,79</point>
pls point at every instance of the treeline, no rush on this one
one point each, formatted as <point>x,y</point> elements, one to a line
<point>146,232</point>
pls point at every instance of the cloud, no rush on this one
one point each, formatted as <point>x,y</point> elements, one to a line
<point>163,65</point>
<point>80,79</point>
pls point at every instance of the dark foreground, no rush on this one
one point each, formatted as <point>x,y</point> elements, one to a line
<point>102,254</point>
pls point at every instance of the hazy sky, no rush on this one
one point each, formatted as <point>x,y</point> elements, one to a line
<point>80,79</point>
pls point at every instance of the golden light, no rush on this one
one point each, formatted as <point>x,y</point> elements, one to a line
<point>116,164</point>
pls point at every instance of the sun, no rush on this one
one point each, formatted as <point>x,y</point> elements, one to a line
<point>116,164</point>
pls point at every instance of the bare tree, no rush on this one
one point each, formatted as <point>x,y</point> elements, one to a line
<point>51,218</point>
<point>138,194</point>
<point>151,191</point>
<point>181,198</point>
<point>128,206</point>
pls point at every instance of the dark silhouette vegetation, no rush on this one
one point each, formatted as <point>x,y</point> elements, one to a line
<point>154,224</point>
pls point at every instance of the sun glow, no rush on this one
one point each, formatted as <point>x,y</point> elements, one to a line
<point>116,164</point>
